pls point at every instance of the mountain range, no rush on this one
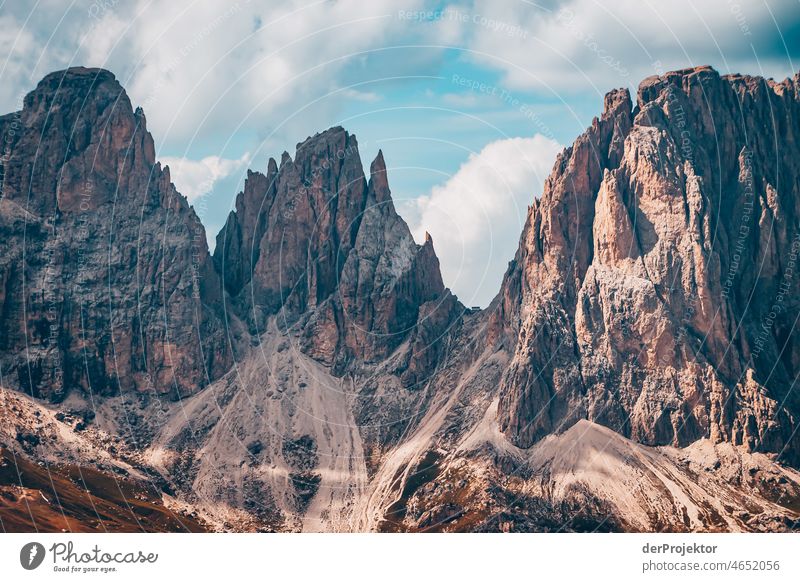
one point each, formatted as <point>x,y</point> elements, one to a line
<point>635,372</point>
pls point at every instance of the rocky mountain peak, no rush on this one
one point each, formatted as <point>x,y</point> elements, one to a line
<point>379,180</point>
<point>645,327</point>
<point>328,248</point>
<point>79,119</point>
<point>617,297</point>
<point>294,224</point>
<point>106,298</point>
<point>616,102</point>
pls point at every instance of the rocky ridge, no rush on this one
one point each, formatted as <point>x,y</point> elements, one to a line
<point>631,335</point>
<point>655,289</point>
<point>106,284</point>
<point>316,241</point>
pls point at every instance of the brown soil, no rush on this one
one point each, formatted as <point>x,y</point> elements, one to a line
<point>70,498</point>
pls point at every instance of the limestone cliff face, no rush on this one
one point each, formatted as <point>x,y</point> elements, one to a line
<point>655,291</point>
<point>656,286</point>
<point>238,244</point>
<point>296,225</point>
<point>106,283</point>
<point>319,243</point>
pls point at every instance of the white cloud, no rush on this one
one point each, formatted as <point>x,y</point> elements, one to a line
<point>102,38</point>
<point>205,68</point>
<point>20,49</point>
<point>196,178</point>
<point>476,217</point>
<point>573,45</point>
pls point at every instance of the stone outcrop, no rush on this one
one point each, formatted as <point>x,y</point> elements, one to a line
<point>655,292</point>
<point>106,283</point>
<point>241,236</point>
<point>655,289</point>
<point>316,241</point>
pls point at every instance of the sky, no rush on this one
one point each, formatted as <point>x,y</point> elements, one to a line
<point>469,101</point>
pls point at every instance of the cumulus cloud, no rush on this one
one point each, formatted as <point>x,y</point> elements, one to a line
<point>365,96</point>
<point>204,69</point>
<point>202,66</point>
<point>21,49</point>
<point>573,45</point>
<point>475,218</point>
<point>196,178</point>
<point>242,64</point>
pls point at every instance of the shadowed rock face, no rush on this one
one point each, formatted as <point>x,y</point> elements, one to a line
<point>107,284</point>
<point>293,228</point>
<point>105,280</point>
<point>318,242</point>
<point>655,289</point>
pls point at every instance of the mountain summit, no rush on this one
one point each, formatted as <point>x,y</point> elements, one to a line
<point>655,290</point>
<point>636,371</point>
<point>314,237</point>
<point>107,284</point>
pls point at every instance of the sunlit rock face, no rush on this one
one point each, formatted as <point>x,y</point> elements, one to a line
<point>635,372</point>
<point>655,289</point>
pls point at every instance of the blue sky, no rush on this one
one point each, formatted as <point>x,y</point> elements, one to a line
<point>469,101</point>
